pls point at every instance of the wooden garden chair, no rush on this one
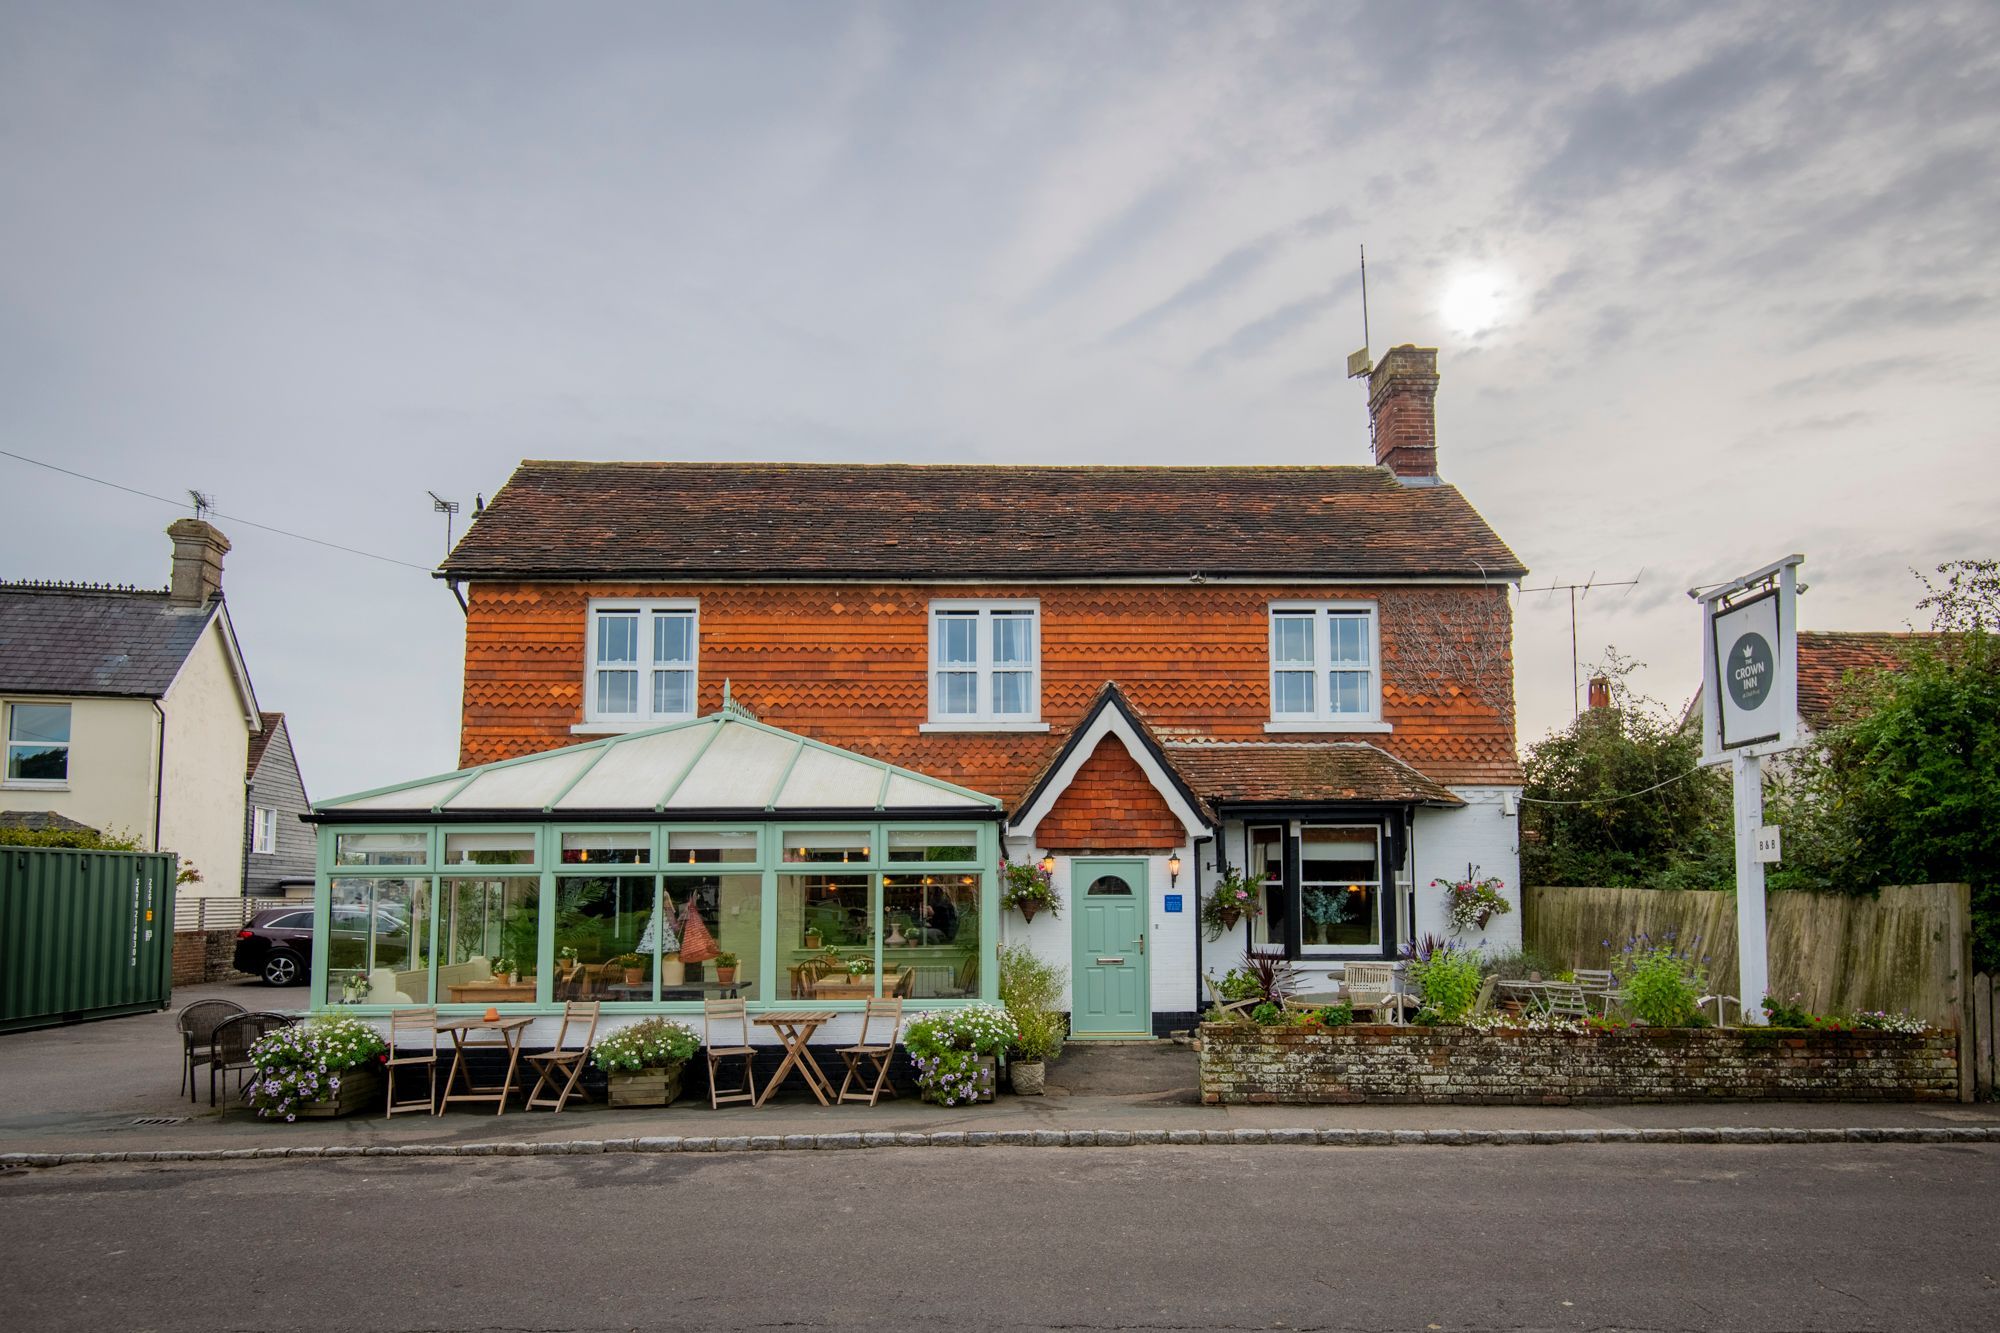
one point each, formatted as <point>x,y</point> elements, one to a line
<point>1483,1004</point>
<point>564,1058</point>
<point>234,1038</point>
<point>413,1041</point>
<point>878,1054</point>
<point>730,1018</point>
<point>1372,986</point>
<point>1226,1010</point>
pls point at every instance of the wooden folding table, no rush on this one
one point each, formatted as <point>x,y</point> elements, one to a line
<point>510,1030</point>
<point>795,1028</point>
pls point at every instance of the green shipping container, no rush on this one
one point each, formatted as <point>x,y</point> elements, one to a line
<point>84,934</point>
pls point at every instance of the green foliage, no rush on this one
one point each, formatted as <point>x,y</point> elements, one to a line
<point>1239,985</point>
<point>1661,987</point>
<point>1328,1016</point>
<point>652,1043</point>
<point>1033,991</point>
<point>84,840</point>
<point>1040,1034</point>
<point>1449,980</point>
<point>1267,1015</point>
<point>1516,964</point>
<point>1678,836</point>
<point>945,1047</point>
<point>1026,884</point>
<point>1233,899</point>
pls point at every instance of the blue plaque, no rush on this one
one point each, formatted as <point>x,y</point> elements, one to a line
<point>1173,902</point>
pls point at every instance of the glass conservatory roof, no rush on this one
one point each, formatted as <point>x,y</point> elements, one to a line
<point>724,762</point>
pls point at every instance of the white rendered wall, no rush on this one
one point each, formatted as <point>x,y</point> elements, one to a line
<point>1484,835</point>
<point>207,749</point>
<point>111,768</point>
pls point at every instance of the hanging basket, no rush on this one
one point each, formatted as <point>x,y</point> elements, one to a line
<point>1028,910</point>
<point>1230,916</point>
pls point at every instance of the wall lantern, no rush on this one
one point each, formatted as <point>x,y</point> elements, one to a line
<point>1048,863</point>
<point>1173,871</point>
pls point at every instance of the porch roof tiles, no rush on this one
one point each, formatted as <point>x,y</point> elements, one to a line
<point>1302,771</point>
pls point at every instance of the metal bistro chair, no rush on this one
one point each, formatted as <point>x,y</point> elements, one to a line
<point>723,1016</point>
<point>564,1059</point>
<point>198,1022</point>
<point>1565,1001</point>
<point>878,1054</point>
<point>413,1041</point>
<point>233,1039</point>
<point>1601,986</point>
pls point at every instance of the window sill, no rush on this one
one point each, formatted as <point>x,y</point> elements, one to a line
<point>30,784</point>
<point>983,726</point>
<point>1359,726</point>
<point>624,728</point>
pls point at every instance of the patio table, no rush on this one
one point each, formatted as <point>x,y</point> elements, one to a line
<point>845,987</point>
<point>510,1030</point>
<point>795,1028</point>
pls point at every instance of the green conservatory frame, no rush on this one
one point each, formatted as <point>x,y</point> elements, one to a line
<point>930,807</point>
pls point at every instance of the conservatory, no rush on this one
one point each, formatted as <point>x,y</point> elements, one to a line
<point>649,871</point>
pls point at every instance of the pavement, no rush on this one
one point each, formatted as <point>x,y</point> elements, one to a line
<point>1668,1237</point>
<point>99,1087</point>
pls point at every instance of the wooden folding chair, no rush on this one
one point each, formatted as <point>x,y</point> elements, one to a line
<point>1487,986</point>
<point>1372,986</point>
<point>722,1015</point>
<point>413,1041</point>
<point>1226,1010</point>
<point>564,1059</point>
<point>880,1054</point>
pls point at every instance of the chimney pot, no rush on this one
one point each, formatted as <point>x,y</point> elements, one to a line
<point>1600,692</point>
<point>1402,412</point>
<point>198,552</point>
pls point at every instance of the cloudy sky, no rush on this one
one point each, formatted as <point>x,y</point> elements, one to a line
<point>1711,283</point>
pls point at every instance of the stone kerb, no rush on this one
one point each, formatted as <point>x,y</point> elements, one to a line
<point>1414,1065</point>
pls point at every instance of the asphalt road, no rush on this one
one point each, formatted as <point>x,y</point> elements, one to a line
<point>1640,1237</point>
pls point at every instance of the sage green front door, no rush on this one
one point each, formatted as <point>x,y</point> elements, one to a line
<point>1108,963</point>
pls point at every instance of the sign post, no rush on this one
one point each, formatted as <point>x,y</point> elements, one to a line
<point>1749,702</point>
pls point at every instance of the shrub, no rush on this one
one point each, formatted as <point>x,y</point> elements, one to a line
<point>304,1062</point>
<point>1027,981</point>
<point>1238,985</point>
<point>1329,1016</point>
<point>1788,1013</point>
<point>1267,1015</point>
<point>1039,1034</point>
<point>1271,973</point>
<point>1449,980</point>
<point>945,1047</point>
<point>1517,964</point>
<point>1661,987</point>
<point>652,1043</point>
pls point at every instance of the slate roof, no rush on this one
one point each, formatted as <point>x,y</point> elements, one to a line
<point>1302,771</point>
<point>1827,657</point>
<point>36,820</point>
<point>260,740</point>
<point>633,520</point>
<point>58,640</point>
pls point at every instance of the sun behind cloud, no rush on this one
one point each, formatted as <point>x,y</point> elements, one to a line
<point>1475,300</point>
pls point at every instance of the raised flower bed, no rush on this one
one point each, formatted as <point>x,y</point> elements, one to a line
<point>324,1067</point>
<point>642,1062</point>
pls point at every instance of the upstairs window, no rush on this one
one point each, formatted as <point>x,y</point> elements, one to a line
<point>642,662</point>
<point>1323,663</point>
<point>264,831</point>
<point>985,662</point>
<point>38,744</point>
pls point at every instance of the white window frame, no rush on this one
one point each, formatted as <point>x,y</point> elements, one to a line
<point>264,830</point>
<point>7,744</point>
<point>645,608</point>
<point>983,718</point>
<point>1321,717</point>
<point>1380,885</point>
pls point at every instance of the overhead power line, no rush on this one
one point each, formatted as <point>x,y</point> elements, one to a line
<point>232,518</point>
<point>1607,800</point>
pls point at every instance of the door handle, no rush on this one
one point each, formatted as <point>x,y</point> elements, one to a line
<point>1142,944</point>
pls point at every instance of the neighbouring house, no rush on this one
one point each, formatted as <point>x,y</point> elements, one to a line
<point>803,713</point>
<point>1828,660</point>
<point>278,848</point>
<point>131,711</point>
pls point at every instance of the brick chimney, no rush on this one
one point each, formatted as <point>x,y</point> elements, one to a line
<point>198,552</point>
<point>1402,412</point>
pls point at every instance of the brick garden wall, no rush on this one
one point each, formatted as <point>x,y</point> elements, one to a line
<point>204,955</point>
<point>1245,1064</point>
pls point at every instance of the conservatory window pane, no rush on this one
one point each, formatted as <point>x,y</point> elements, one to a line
<point>825,929</point>
<point>930,948</point>
<point>381,849</point>
<point>601,946</point>
<point>706,848</point>
<point>489,849</point>
<point>952,846</point>
<point>839,848</point>
<point>489,924</point>
<point>617,848</point>
<point>730,909</point>
<point>378,938</point>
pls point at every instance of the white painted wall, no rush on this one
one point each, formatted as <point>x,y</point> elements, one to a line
<point>111,768</point>
<point>1486,836</point>
<point>207,748</point>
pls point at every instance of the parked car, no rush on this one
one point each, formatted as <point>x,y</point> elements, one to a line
<point>277,943</point>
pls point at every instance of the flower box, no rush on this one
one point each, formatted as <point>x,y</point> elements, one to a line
<point>651,1087</point>
<point>360,1090</point>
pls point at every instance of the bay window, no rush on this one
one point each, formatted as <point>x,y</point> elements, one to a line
<point>642,662</point>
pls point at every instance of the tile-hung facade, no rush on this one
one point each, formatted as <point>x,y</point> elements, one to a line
<point>1153,674</point>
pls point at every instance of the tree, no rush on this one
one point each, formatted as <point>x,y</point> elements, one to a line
<point>1617,799</point>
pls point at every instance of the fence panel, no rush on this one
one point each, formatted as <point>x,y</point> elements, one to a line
<point>1985,1050</point>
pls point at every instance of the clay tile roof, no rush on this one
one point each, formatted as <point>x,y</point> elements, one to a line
<point>1827,657</point>
<point>632,520</point>
<point>1229,771</point>
<point>260,739</point>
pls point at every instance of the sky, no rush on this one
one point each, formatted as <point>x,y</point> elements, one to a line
<point>1710,283</point>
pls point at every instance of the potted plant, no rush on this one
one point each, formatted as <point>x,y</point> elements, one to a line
<point>568,963</point>
<point>725,968</point>
<point>814,939</point>
<point>642,1061</point>
<point>955,1051</point>
<point>1471,902</point>
<point>860,967</point>
<point>1233,899</point>
<point>324,1067</point>
<point>1038,1039</point>
<point>1034,991</point>
<point>634,965</point>
<point>1030,889</point>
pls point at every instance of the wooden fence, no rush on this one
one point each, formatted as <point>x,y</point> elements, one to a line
<point>1983,1019</point>
<point>1906,948</point>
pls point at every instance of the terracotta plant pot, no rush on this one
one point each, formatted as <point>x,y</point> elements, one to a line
<point>725,976</point>
<point>634,975</point>
<point>813,940</point>
<point>1028,910</point>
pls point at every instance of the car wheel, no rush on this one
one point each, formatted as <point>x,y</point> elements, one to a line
<point>282,969</point>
